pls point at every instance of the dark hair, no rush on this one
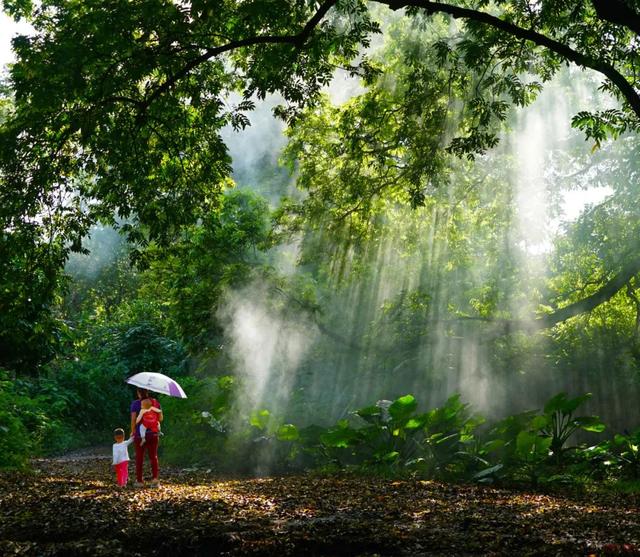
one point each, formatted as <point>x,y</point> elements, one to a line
<point>142,393</point>
<point>118,431</point>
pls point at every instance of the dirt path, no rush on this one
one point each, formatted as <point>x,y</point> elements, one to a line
<point>69,506</point>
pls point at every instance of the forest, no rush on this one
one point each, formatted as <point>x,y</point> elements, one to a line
<point>389,249</point>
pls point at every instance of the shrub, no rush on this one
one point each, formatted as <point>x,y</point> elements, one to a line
<point>24,423</point>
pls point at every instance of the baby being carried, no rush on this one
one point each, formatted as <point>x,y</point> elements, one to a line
<point>148,419</point>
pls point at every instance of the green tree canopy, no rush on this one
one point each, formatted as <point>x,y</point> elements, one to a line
<point>115,108</point>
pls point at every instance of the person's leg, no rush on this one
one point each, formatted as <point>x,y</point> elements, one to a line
<point>139,459</point>
<point>143,434</point>
<point>122,473</point>
<point>152,447</point>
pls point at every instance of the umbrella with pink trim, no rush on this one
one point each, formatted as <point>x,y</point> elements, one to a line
<point>158,383</point>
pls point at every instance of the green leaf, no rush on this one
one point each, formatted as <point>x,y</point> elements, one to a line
<point>288,432</point>
<point>340,437</point>
<point>620,439</point>
<point>492,445</point>
<point>391,456</point>
<point>311,435</point>
<point>342,424</point>
<point>371,414</point>
<point>416,422</point>
<point>531,446</point>
<point>539,422</point>
<point>403,407</point>
<point>574,403</point>
<point>556,403</point>
<point>260,419</point>
<point>590,423</point>
<point>488,471</point>
<point>525,441</point>
<point>225,382</point>
<point>561,403</point>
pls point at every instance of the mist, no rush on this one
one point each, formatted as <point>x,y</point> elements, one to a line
<point>105,245</point>
<point>399,327</point>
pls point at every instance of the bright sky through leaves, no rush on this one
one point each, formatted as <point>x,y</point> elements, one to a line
<point>8,29</point>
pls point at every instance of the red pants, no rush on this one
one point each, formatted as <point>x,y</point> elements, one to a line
<point>122,472</point>
<point>151,446</point>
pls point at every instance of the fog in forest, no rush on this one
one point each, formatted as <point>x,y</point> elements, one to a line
<point>393,313</point>
<point>320,277</point>
<point>390,330</point>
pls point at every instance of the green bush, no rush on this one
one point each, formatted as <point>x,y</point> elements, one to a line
<point>206,430</point>
<point>197,428</point>
<point>447,442</point>
<point>627,455</point>
<point>81,396</point>
<point>393,439</point>
<point>24,423</point>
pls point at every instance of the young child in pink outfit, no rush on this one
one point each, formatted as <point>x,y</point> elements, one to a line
<point>121,456</point>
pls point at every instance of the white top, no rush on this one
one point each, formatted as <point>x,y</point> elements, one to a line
<point>121,451</point>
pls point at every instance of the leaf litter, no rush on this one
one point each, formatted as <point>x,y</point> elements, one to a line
<point>72,507</point>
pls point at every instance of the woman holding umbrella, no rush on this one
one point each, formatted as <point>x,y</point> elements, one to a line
<point>145,382</point>
<point>150,443</point>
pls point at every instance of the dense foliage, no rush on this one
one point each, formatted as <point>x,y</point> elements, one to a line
<point>102,126</point>
<point>397,262</point>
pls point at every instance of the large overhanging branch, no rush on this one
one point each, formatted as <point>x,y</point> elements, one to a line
<point>505,326</point>
<point>603,294</point>
<point>608,290</point>
<point>298,40</point>
<point>626,89</point>
<point>497,326</point>
<point>618,13</point>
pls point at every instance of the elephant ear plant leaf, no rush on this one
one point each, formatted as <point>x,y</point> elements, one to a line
<point>389,438</point>
<point>341,436</point>
<point>288,432</point>
<point>402,408</point>
<point>559,423</point>
<point>451,447</point>
<point>629,453</point>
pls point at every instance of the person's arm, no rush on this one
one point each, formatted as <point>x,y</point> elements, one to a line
<point>156,406</point>
<point>133,423</point>
<point>142,413</point>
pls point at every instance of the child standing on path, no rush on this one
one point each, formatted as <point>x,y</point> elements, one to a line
<point>121,456</point>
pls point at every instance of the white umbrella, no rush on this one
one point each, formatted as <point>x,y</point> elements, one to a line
<point>157,382</point>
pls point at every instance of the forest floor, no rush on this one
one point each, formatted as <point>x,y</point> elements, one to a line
<point>70,506</point>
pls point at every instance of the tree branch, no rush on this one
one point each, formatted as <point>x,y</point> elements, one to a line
<point>632,267</point>
<point>631,292</point>
<point>626,89</point>
<point>296,41</point>
<point>617,12</point>
<point>604,294</point>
